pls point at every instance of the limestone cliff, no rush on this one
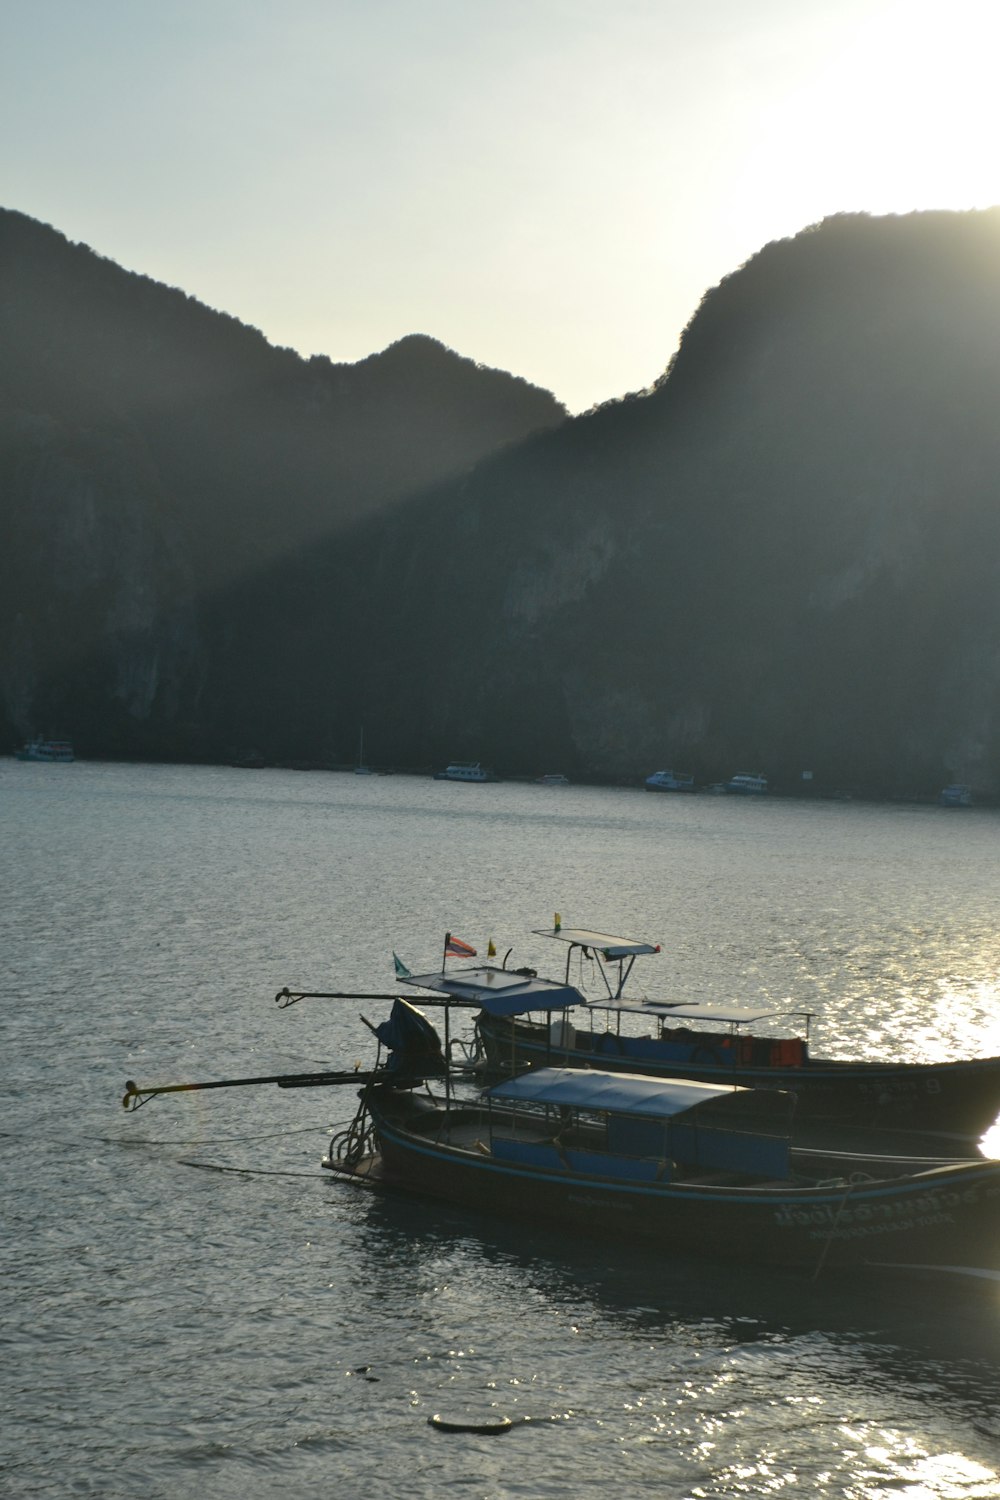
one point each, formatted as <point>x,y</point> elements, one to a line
<point>783,557</point>
<point>157,460</point>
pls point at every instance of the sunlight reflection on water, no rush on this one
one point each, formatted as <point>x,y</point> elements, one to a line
<point>174,1331</point>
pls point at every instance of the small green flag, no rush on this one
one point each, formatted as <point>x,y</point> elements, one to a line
<point>402,972</point>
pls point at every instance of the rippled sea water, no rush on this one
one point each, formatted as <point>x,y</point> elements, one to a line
<point>191,1307</point>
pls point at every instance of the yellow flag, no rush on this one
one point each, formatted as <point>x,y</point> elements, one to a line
<point>558,922</point>
<point>491,951</point>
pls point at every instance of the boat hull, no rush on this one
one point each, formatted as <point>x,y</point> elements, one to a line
<point>948,1217</point>
<point>960,1098</point>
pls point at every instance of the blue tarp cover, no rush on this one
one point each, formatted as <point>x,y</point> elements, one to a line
<point>621,1093</point>
<point>412,1041</point>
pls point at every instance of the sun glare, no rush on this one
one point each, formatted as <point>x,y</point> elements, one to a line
<point>899,113</point>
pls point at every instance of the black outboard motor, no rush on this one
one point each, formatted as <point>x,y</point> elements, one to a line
<point>415,1051</point>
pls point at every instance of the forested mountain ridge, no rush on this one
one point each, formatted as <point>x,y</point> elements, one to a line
<point>260,428</point>
<point>784,556</point>
<point>154,452</point>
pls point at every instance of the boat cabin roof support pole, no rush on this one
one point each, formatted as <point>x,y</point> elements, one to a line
<point>623,973</point>
<point>625,964</point>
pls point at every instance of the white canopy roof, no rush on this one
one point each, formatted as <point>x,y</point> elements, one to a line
<point>734,1015</point>
<point>621,1093</point>
<point>606,945</point>
<point>500,992</point>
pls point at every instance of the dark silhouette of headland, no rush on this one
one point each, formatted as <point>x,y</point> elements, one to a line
<point>784,556</point>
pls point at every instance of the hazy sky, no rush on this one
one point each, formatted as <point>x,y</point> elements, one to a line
<point>547,186</point>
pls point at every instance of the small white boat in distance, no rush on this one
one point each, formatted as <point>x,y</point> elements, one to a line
<point>465,770</point>
<point>51,750</point>
<point>955,795</point>
<point>552,778</point>
<point>670,781</point>
<point>747,784</point>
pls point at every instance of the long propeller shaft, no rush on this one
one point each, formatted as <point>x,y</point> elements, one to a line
<point>136,1094</point>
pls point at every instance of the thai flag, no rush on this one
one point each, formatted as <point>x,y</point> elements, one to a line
<point>455,948</point>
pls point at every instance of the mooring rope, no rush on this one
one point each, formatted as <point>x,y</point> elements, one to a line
<point>211,1166</point>
<point>218,1140</point>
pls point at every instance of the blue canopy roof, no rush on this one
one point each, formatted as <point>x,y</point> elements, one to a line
<point>620,1093</point>
<point>500,992</point>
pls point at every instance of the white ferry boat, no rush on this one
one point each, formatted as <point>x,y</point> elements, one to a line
<point>670,781</point>
<point>51,750</point>
<point>465,770</point>
<point>747,784</point>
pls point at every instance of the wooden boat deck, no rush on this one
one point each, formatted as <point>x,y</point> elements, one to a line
<point>366,1172</point>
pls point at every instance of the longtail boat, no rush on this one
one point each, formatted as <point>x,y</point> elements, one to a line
<point>690,1167</point>
<point>711,1043</point>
